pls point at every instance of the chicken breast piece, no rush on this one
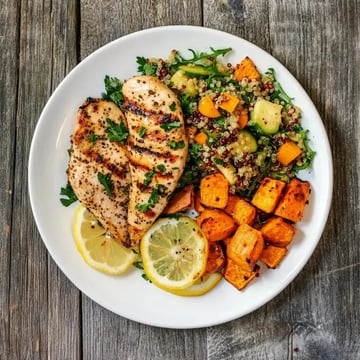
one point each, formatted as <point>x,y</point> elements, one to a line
<point>157,146</point>
<point>98,169</point>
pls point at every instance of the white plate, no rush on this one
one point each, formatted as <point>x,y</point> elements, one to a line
<point>130,295</point>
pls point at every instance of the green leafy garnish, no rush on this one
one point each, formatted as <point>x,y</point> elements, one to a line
<point>171,125</point>
<point>148,177</point>
<point>146,67</point>
<point>113,88</point>
<point>106,181</point>
<point>161,168</point>
<point>218,161</point>
<point>176,145</point>
<point>278,92</point>
<point>142,131</point>
<point>93,137</point>
<point>155,193</point>
<point>117,132</point>
<point>173,106</point>
<point>70,196</point>
<point>195,152</point>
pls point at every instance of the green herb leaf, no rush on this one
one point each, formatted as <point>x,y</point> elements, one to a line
<point>145,66</point>
<point>278,92</point>
<point>70,196</point>
<point>173,106</point>
<point>148,177</point>
<point>159,190</point>
<point>169,126</point>
<point>218,161</point>
<point>117,132</point>
<point>142,131</point>
<point>105,180</point>
<point>93,137</point>
<point>161,168</point>
<point>113,88</point>
<point>176,145</point>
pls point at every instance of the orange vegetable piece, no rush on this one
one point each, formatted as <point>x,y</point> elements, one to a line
<point>247,69</point>
<point>292,205</point>
<point>272,255</point>
<point>197,204</point>
<point>245,247</point>
<point>268,194</point>
<point>214,191</point>
<point>278,232</point>
<point>229,102</point>
<point>243,118</point>
<point>207,107</point>
<point>191,131</point>
<point>216,258</point>
<point>241,211</point>
<point>200,138</point>
<point>237,276</point>
<point>216,224</point>
<point>288,152</point>
<point>182,200</point>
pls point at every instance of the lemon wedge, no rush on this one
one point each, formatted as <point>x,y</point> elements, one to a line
<point>98,248</point>
<point>201,286</point>
<point>174,253</point>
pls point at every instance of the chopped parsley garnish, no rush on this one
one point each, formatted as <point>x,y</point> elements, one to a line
<point>142,131</point>
<point>113,88</point>
<point>106,181</point>
<point>93,137</point>
<point>176,145</point>
<point>148,177</point>
<point>161,168</point>
<point>171,125</point>
<point>70,196</point>
<point>173,106</point>
<point>159,190</point>
<point>195,153</point>
<point>218,161</point>
<point>145,66</point>
<point>117,132</point>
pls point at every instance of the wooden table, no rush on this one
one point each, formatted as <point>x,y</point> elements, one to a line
<point>42,315</point>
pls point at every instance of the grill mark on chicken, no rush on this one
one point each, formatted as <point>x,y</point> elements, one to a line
<point>89,158</point>
<point>149,104</point>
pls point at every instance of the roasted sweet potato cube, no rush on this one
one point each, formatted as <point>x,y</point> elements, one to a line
<point>292,204</point>
<point>272,255</point>
<point>182,200</point>
<point>240,210</point>
<point>245,247</point>
<point>214,191</point>
<point>268,194</point>
<point>216,224</point>
<point>236,275</point>
<point>278,231</point>
<point>216,258</point>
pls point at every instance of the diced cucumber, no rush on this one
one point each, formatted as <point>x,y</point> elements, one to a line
<point>246,143</point>
<point>266,116</point>
<point>228,171</point>
<point>184,84</point>
<point>195,70</point>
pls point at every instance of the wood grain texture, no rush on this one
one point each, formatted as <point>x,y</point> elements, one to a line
<point>42,315</point>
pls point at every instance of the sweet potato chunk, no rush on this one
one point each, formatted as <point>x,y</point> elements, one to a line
<point>245,247</point>
<point>237,276</point>
<point>197,203</point>
<point>292,204</point>
<point>182,200</point>
<point>268,194</point>
<point>216,258</point>
<point>247,69</point>
<point>216,224</point>
<point>214,191</point>
<point>240,210</point>
<point>277,231</point>
<point>272,255</point>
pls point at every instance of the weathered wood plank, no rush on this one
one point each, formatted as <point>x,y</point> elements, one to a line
<point>106,335</point>
<point>8,80</point>
<point>41,325</point>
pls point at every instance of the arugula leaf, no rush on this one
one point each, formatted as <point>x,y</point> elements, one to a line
<point>278,92</point>
<point>145,66</point>
<point>113,88</point>
<point>70,196</point>
<point>117,132</point>
<point>196,57</point>
<point>105,180</point>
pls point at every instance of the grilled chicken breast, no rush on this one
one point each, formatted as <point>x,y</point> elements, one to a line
<point>157,146</point>
<point>98,169</point>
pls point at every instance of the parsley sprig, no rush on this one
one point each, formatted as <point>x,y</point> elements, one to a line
<point>117,132</point>
<point>69,195</point>
<point>113,88</point>
<point>159,190</point>
<point>145,66</point>
<point>106,181</point>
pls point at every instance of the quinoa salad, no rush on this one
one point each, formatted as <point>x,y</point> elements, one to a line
<point>229,139</point>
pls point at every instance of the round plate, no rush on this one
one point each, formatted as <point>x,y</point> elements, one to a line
<point>130,295</point>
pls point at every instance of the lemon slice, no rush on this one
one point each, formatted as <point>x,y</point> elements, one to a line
<point>98,248</point>
<point>201,286</point>
<point>174,253</point>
